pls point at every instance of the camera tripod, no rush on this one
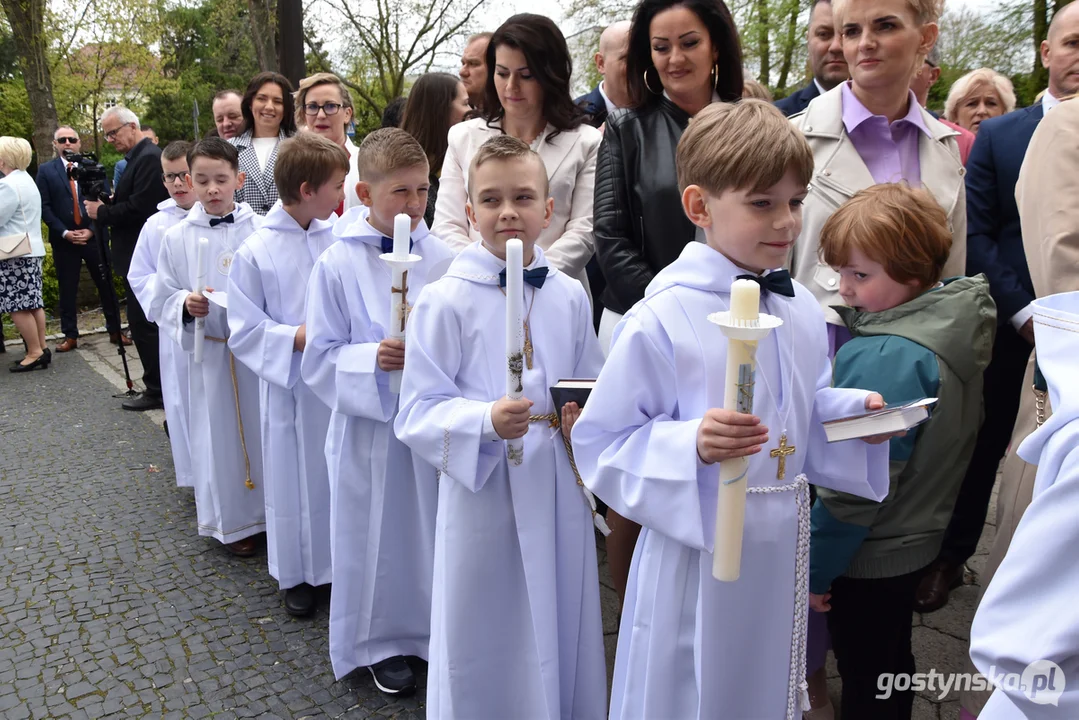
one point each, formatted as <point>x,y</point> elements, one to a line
<point>105,265</point>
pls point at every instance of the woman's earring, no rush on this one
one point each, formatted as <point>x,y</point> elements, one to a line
<point>715,77</point>
<point>647,86</point>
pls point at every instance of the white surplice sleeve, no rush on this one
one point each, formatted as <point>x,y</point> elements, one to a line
<point>1029,611</point>
<point>265,346</point>
<point>435,420</point>
<point>143,268</point>
<point>571,252</point>
<point>630,450</point>
<point>340,359</point>
<point>451,221</point>
<point>851,466</point>
<point>170,292</point>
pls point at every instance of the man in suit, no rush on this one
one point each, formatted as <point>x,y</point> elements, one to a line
<point>995,247</point>
<point>136,198</point>
<point>611,93</point>
<point>825,59</point>
<point>73,241</point>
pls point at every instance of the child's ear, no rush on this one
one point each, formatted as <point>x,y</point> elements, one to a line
<point>240,177</point>
<point>363,192</point>
<point>472,215</point>
<point>695,207</point>
<point>548,212</point>
<point>305,190</point>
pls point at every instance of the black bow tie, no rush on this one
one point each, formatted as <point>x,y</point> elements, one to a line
<point>778,282</point>
<point>214,222</point>
<point>387,245</point>
<point>535,277</point>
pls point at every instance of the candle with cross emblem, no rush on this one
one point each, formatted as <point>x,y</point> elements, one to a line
<point>400,261</point>
<point>744,327</point>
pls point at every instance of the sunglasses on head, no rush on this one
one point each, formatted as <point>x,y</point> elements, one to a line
<point>71,140</point>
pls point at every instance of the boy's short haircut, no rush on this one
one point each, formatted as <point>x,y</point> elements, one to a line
<point>386,151</point>
<point>748,145</point>
<point>214,148</point>
<point>903,229</point>
<point>175,150</point>
<point>506,147</point>
<point>306,157</point>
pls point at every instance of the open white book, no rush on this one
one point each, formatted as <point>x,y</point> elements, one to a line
<point>889,419</point>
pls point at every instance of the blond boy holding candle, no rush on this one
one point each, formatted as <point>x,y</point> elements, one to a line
<point>382,497</point>
<point>652,437</point>
<point>515,622</point>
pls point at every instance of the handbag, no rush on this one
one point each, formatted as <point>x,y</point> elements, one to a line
<point>14,246</point>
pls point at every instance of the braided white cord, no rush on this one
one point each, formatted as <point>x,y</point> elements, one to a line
<point>797,688</point>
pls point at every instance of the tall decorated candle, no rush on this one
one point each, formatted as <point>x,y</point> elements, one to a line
<point>515,450</point>
<point>399,264</point>
<point>200,287</point>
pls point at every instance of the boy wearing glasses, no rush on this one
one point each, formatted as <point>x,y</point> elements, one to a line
<point>142,276</point>
<point>324,106</point>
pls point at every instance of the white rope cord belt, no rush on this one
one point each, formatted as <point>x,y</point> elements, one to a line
<point>796,684</point>
<point>248,482</point>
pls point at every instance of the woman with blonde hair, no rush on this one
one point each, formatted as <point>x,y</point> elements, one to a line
<point>23,252</point>
<point>324,106</point>
<point>979,95</point>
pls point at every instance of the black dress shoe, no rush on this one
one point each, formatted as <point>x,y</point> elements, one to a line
<point>41,363</point>
<point>935,586</point>
<point>300,600</point>
<point>142,401</point>
<point>393,676</point>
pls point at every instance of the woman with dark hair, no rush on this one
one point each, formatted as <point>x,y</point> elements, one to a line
<point>269,116</point>
<point>683,55</point>
<point>528,97</point>
<point>437,102</point>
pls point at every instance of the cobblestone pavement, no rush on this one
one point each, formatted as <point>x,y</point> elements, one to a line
<point>112,606</point>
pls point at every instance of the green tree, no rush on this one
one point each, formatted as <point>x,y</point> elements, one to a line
<point>27,21</point>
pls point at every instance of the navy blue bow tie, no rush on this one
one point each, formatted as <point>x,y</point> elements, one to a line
<point>535,277</point>
<point>214,222</point>
<point>387,245</point>
<point>778,282</point>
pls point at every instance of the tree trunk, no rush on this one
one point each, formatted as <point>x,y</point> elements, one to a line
<point>27,20</point>
<point>290,44</point>
<point>1040,76</point>
<point>788,47</point>
<point>263,34</point>
<point>763,42</point>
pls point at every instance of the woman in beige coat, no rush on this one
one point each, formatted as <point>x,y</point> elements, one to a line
<point>851,123</point>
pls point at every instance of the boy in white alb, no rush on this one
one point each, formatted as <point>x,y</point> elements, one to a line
<point>1023,639</point>
<point>267,308</point>
<point>650,440</point>
<point>383,498</point>
<point>142,276</point>
<point>226,455</point>
<point>515,617</point>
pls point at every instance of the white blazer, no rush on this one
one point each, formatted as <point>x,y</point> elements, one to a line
<point>19,189</point>
<point>571,168</point>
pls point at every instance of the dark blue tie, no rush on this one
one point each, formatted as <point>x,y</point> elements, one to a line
<point>214,222</point>
<point>778,282</point>
<point>387,245</point>
<point>535,277</point>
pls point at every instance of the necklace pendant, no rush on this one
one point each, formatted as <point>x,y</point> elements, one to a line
<point>781,454</point>
<point>528,346</point>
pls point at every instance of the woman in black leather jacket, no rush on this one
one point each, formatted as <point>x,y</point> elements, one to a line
<point>683,55</point>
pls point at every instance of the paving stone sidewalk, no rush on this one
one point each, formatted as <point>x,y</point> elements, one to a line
<point>112,606</point>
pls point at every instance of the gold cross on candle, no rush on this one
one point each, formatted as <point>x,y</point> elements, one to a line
<point>782,452</point>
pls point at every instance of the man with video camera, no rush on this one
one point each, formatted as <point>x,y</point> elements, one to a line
<point>134,200</point>
<point>72,237</point>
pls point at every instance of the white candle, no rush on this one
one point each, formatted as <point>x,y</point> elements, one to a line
<point>731,504</point>
<point>200,288</point>
<point>514,337</point>
<point>402,231</point>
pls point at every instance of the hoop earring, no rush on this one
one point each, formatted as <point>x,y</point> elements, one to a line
<point>645,75</point>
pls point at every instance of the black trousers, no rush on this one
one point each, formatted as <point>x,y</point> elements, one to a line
<point>68,258</point>
<point>1003,386</point>
<point>144,335</point>
<point>870,625</point>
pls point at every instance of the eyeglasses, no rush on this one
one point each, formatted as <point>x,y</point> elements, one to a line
<point>111,134</point>
<point>170,178</point>
<point>329,108</point>
<point>63,140</point>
